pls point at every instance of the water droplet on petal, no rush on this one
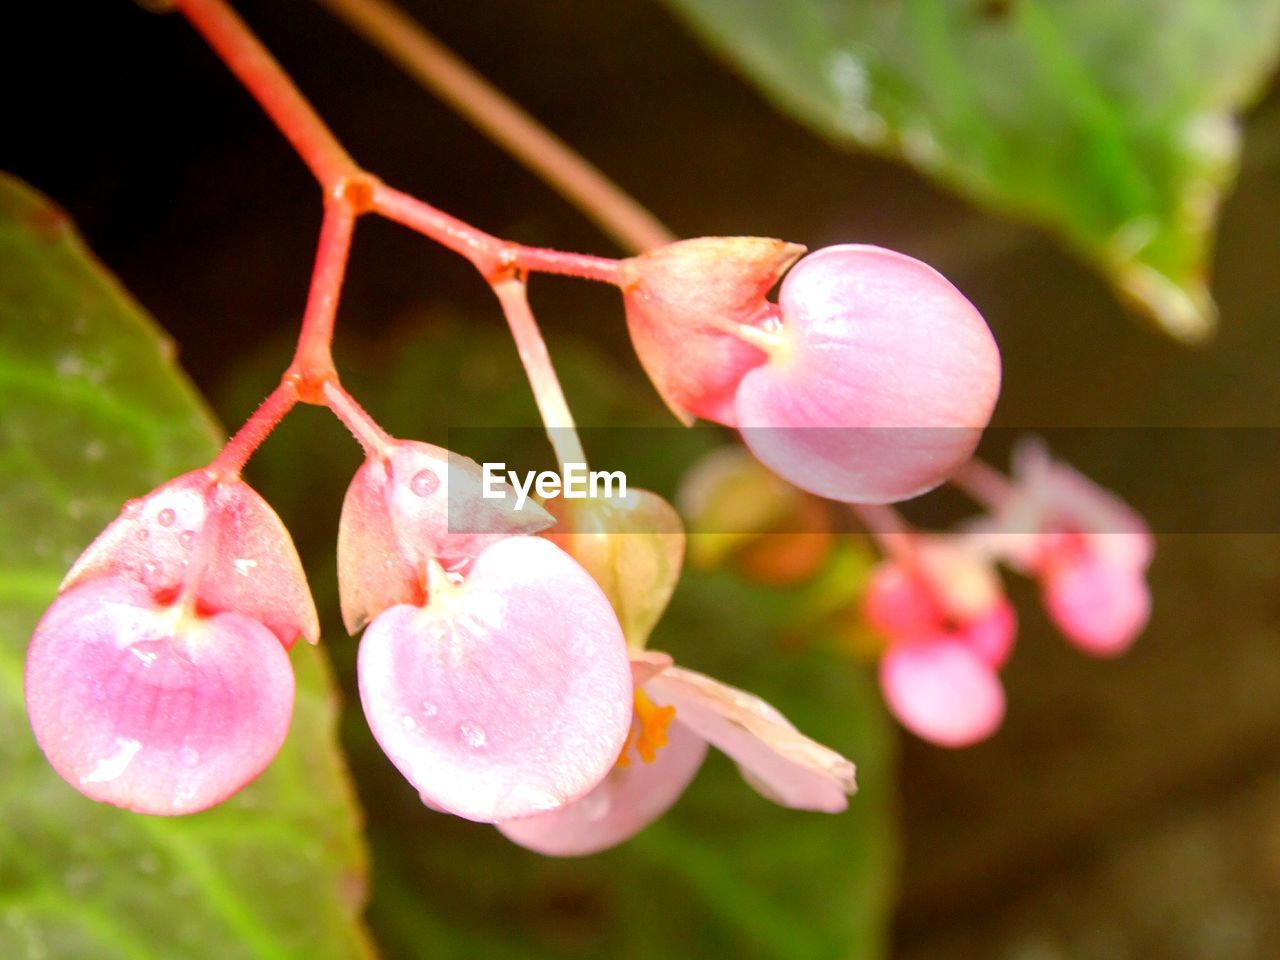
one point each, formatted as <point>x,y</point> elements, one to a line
<point>429,709</point>
<point>187,538</point>
<point>132,508</point>
<point>424,483</point>
<point>108,768</point>
<point>143,533</point>
<point>245,566</point>
<point>472,734</point>
<point>166,517</point>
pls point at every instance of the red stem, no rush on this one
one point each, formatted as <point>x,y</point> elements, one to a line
<point>350,192</point>
<point>258,71</point>
<point>313,362</point>
<point>228,464</point>
<point>440,71</point>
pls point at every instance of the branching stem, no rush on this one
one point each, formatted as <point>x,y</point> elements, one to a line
<point>350,192</point>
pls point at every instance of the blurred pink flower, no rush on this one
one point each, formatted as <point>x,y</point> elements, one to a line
<point>1088,548</point>
<point>677,713</point>
<point>950,628</point>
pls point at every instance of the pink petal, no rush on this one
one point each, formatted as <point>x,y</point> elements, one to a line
<point>137,706</point>
<point>508,694</point>
<point>1066,499</point>
<point>776,759</point>
<point>886,378</point>
<point>898,603</point>
<point>626,801</point>
<point>647,664</point>
<point>1100,606</point>
<point>991,635</point>
<point>942,691</point>
<point>420,503</point>
<point>249,564</point>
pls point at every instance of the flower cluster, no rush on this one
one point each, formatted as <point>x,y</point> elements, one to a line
<point>938,601</point>
<point>503,666</point>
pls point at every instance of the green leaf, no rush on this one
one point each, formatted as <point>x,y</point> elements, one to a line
<point>1112,122</point>
<point>726,873</point>
<point>95,412</point>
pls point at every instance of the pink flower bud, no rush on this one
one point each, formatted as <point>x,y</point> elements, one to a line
<point>950,628</point>
<point>942,690</point>
<point>1098,604</point>
<point>150,707</point>
<point>947,587</point>
<point>420,503</point>
<point>870,381</point>
<point>509,692</point>
<point>881,381</point>
<point>246,560</point>
<point>1087,547</point>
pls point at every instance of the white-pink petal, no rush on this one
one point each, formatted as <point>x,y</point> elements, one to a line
<point>1099,606</point>
<point>776,759</point>
<point>508,694</point>
<point>942,690</point>
<point>626,801</point>
<point>143,707</point>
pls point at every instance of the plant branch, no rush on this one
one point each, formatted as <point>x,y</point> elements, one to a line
<point>436,68</point>
<point>263,77</point>
<point>229,462</point>
<point>313,361</point>
<point>552,405</point>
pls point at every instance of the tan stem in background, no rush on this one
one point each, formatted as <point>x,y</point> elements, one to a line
<point>436,68</point>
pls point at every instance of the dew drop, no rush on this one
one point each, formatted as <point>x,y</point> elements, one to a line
<point>187,538</point>
<point>472,734</point>
<point>166,517</point>
<point>429,709</point>
<point>424,483</point>
<point>143,533</point>
<point>132,508</point>
<point>244,566</point>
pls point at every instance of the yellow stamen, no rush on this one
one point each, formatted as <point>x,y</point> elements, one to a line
<point>649,730</point>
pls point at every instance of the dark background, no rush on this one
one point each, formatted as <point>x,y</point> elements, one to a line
<point>1127,809</point>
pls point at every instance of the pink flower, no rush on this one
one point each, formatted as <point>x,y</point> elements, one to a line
<point>1088,548</point>
<point>950,628</point>
<point>493,671</point>
<point>869,381</point>
<point>159,680</point>
<point>677,713</point>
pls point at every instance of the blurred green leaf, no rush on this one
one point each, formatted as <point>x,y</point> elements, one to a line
<point>94,412</point>
<point>726,873</point>
<point>1112,122</point>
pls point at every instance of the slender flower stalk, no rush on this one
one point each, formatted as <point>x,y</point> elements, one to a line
<point>561,430</point>
<point>363,427</point>
<point>232,458</point>
<point>887,527</point>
